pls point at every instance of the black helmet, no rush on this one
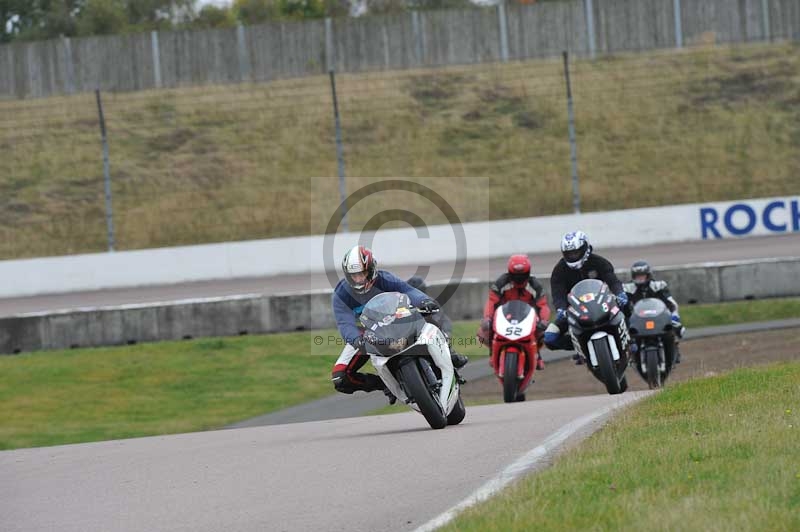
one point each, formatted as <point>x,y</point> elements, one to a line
<point>641,273</point>
<point>418,283</point>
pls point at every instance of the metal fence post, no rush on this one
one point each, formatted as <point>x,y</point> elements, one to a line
<point>244,57</point>
<point>573,145</point>
<point>339,151</point>
<point>765,20</point>
<point>156,59</point>
<point>385,35</point>
<point>69,69</point>
<point>676,11</point>
<point>589,9</point>
<point>106,172</point>
<point>329,59</point>
<point>416,34</point>
<point>503,23</point>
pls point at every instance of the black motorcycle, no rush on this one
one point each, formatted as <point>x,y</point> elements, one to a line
<point>599,333</point>
<point>654,341</point>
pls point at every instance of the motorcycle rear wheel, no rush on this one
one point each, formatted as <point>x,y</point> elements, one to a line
<point>458,413</point>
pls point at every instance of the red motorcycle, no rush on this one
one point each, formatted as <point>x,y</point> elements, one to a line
<point>515,350</point>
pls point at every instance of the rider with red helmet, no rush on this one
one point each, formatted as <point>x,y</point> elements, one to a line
<point>517,283</point>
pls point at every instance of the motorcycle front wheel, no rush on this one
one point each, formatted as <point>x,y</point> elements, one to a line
<point>510,382</point>
<point>653,373</point>
<point>417,388</point>
<point>608,373</point>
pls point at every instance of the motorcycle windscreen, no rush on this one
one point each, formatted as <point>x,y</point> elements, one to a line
<point>591,303</point>
<point>650,316</point>
<point>516,310</point>
<point>391,323</point>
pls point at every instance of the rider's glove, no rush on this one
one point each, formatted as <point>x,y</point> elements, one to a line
<point>680,330</point>
<point>560,314</point>
<point>428,306</point>
<point>622,299</point>
<point>359,342</point>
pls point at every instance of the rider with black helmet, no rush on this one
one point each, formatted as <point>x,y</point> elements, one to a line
<point>643,285</point>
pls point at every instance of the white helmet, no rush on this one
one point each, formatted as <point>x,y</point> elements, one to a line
<point>576,249</point>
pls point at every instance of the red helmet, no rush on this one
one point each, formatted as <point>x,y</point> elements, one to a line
<point>519,268</point>
<point>360,269</point>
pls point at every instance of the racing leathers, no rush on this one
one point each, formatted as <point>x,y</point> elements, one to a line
<point>658,290</point>
<point>503,290</point>
<point>563,279</point>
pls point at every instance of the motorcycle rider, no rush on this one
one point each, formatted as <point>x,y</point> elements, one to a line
<point>578,262</point>
<point>643,285</point>
<point>517,283</point>
<point>363,281</point>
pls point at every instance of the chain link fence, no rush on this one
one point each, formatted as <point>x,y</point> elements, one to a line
<point>259,160</point>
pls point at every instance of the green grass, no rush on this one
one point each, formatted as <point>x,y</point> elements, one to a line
<point>716,454</point>
<point>247,161</point>
<point>81,395</point>
<point>55,397</point>
<point>709,315</point>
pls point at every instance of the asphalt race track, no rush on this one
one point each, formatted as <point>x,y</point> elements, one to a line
<point>660,255</point>
<point>387,473</point>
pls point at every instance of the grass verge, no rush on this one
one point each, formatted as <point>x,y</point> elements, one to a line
<point>710,315</point>
<point>81,395</point>
<point>710,454</point>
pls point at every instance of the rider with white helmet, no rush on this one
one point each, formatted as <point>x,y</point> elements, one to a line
<point>578,262</point>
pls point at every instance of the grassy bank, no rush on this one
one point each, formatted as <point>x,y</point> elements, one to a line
<point>236,162</point>
<point>711,454</point>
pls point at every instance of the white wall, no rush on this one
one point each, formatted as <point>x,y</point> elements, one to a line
<point>395,246</point>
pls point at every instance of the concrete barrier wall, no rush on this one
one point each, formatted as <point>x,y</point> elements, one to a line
<point>254,314</point>
<point>233,260</point>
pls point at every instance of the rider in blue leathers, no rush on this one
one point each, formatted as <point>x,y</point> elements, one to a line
<point>363,281</point>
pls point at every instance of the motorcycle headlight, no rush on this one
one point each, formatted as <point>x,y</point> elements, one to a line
<point>397,344</point>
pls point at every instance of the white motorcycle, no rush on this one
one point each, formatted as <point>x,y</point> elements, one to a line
<point>412,358</point>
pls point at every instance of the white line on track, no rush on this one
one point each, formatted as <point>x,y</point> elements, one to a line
<point>526,462</point>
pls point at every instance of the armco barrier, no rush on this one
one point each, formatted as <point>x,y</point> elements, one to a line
<point>256,314</point>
